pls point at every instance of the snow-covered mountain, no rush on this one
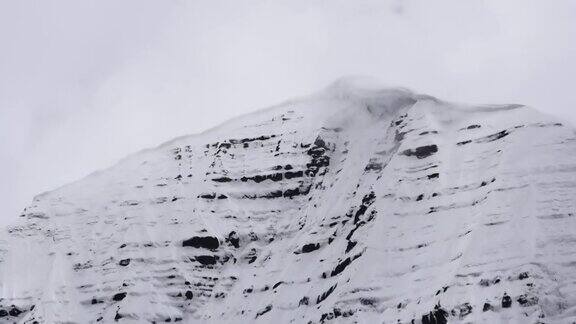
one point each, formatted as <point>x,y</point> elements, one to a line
<point>358,204</point>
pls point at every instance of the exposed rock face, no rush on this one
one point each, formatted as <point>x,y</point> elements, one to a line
<point>354,205</point>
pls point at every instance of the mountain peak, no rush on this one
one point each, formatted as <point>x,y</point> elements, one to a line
<point>427,213</point>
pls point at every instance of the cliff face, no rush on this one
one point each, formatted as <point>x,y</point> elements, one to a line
<point>357,204</point>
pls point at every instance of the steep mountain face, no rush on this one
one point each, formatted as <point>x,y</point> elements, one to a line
<point>354,205</point>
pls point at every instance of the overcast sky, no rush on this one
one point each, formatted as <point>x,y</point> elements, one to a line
<point>85,83</point>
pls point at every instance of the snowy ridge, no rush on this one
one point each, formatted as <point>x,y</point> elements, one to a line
<point>359,204</point>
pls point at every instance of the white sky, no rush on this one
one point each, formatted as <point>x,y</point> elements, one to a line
<point>85,83</point>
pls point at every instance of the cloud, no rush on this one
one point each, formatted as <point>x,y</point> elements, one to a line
<point>83,84</point>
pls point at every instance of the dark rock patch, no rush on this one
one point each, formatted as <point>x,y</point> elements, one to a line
<point>260,178</point>
<point>527,301</point>
<point>325,294</point>
<point>319,158</point>
<point>489,282</point>
<point>292,175</point>
<point>422,151</point>
<point>334,314</point>
<point>493,137</point>
<point>367,201</point>
<point>289,193</point>
<point>205,242</point>
<point>252,256</point>
<point>259,138</point>
<point>434,176</point>
<point>119,296</point>
<point>437,316</point>
<point>189,295</point>
<point>359,224</point>
<point>14,311</point>
<point>340,267</point>
<point>124,262</point>
<point>495,223</point>
<point>264,311</point>
<point>462,310</point>
<point>207,259</point>
<point>233,239</point>
<point>310,247</point>
<point>273,194</point>
<point>506,301</point>
<point>374,166</point>
<point>222,179</point>
<point>464,142</point>
<point>350,246</point>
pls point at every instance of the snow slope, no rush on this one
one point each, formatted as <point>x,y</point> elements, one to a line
<point>358,204</point>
